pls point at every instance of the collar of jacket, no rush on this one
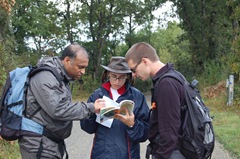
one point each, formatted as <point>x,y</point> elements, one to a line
<point>63,71</point>
<point>107,86</point>
<point>162,71</point>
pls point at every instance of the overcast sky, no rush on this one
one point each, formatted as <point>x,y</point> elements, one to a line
<point>164,13</point>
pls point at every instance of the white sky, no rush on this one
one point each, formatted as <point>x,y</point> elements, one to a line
<point>164,13</point>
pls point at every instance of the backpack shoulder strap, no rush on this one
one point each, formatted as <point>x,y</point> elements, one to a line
<point>173,74</point>
<point>34,71</point>
<point>178,76</point>
<point>58,76</point>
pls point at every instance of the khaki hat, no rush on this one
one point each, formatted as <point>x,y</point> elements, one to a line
<point>117,65</point>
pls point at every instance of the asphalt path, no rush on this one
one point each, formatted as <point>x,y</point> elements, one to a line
<point>79,144</point>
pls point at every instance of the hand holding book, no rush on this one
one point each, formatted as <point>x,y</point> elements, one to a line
<point>127,119</point>
<point>112,108</point>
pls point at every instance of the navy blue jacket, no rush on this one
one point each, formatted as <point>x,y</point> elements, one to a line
<point>119,141</point>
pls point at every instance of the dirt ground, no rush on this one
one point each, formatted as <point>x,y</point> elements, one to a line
<point>220,153</point>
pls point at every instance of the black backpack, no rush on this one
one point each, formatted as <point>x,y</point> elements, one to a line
<point>197,135</point>
<point>13,119</point>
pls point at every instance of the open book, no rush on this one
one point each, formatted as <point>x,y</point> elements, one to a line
<point>113,108</point>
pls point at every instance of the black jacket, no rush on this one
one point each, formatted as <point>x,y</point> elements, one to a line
<point>165,119</point>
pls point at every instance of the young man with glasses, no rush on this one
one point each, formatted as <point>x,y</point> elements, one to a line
<point>118,138</point>
<point>165,118</point>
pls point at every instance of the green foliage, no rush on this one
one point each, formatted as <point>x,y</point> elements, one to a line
<point>79,91</point>
<point>121,49</point>
<point>105,23</point>
<point>3,77</point>
<point>234,61</point>
<point>214,72</point>
<point>236,93</point>
<point>102,18</point>
<point>171,47</point>
<point>89,84</point>
<point>4,24</point>
<point>6,47</point>
<point>208,29</point>
<point>7,62</point>
<point>143,86</point>
<point>35,22</point>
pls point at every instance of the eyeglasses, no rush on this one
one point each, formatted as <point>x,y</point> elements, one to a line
<point>120,79</point>
<point>135,67</point>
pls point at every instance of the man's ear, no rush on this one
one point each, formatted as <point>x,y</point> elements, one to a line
<point>144,60</point>
<point>67,60</point>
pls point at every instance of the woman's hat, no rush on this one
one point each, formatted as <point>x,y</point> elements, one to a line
<point>117,65</point>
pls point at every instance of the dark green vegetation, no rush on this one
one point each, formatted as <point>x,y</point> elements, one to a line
<point>203,44</point>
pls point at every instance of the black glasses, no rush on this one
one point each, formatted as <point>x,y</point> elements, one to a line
<point>134,68</point>
<point>115,78</point>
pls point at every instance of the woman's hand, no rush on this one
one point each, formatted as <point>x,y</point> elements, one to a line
<point>127,119</point>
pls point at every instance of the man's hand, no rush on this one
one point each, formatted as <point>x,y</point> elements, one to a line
<point>127,119</point>
<point>98,104</point>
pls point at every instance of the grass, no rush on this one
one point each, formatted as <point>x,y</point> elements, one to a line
<point>9,150</point>
<point>226,123</point>
<point>226,126</point>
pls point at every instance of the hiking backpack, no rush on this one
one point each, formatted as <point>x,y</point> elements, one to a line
<point>197,135</point>
<point>13,103</point>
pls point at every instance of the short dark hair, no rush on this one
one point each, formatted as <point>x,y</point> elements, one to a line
<point>71,51</point>
<point>141,50</point>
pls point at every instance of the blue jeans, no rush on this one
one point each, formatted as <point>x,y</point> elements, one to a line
<point>175,155</point>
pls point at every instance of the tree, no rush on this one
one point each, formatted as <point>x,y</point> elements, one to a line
<point>105,21</point>
<point>234,14</point>
<point>35,26</point>
<point>71,24</point>
<point>207,27</point>
<point>5,11</point>
<point>140,14</point>
<point>6,40</point>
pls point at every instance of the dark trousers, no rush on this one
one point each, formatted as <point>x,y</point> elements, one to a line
<point>175,155</point>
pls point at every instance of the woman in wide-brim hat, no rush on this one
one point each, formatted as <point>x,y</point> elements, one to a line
<point>118,138</point>
<point>118,66</point>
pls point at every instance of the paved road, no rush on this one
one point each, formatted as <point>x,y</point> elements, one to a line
<point>79,145</point>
